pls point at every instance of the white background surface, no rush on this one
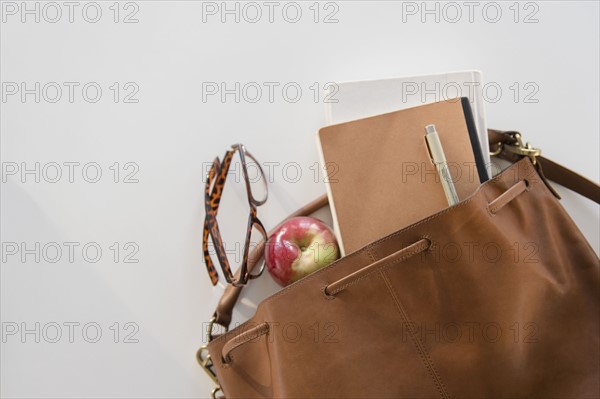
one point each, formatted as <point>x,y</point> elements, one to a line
<point>170,132</point>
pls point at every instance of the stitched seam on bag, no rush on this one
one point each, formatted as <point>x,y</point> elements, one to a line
<point>425,358</point>
<point>243,340</point>
<point>495,207</point>
<point>383,267</point>
<point>361,251</point>
<point>371,254</point>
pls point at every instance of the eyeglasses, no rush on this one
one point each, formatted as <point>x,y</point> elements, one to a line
<point>212,197</point>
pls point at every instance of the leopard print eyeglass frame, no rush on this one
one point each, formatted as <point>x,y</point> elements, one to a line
<point>213,191</point>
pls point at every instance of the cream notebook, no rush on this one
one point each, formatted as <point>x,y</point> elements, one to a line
<point>380,177</point>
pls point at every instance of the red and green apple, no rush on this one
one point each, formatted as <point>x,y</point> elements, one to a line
<point>298,247</point>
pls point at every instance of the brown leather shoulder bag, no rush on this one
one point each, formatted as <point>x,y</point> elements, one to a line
<point>495,297</point>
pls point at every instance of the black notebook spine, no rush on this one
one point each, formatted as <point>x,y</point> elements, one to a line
<point>475,144</point>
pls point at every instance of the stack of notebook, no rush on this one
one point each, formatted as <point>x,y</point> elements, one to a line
<point>355,100</point>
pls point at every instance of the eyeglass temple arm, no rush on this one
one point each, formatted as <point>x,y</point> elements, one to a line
<point>220,176</point>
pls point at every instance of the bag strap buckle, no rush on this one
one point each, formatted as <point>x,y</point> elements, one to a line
<point>519,148</point>
<point>205,361</point>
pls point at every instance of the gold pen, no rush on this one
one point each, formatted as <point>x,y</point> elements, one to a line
<point>439,159</point>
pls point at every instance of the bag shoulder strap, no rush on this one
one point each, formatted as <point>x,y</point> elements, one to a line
<point>501,144</point>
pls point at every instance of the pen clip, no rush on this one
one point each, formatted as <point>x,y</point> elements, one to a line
<point>429,129</point>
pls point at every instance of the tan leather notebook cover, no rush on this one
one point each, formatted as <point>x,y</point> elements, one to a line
<point>380,177</point>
